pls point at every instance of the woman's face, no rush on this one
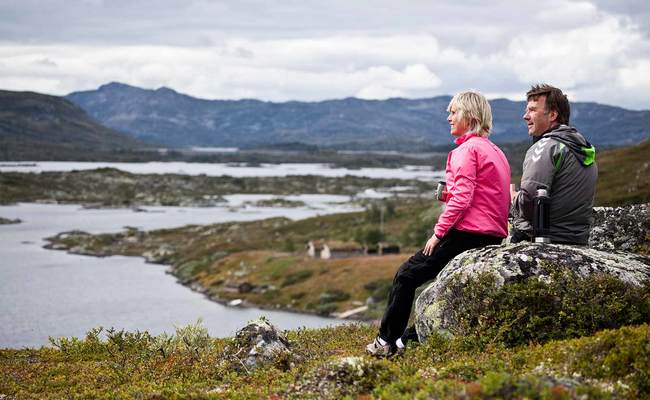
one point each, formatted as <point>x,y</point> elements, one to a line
<point>459,126</point>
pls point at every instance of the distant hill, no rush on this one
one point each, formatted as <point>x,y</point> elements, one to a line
<point>35,126</point>
<point>174,119</point>
<point>624,175</point>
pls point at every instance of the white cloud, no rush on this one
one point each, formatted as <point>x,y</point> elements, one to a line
<point>315,50</point>
<point>587,61</point>
<point>206,72</point>
<point>636,76</point>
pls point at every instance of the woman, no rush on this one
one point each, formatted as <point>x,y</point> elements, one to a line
<point>476,214</point>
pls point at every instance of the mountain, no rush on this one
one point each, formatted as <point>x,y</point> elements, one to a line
<point>171,118</point>
<point>37,126</point>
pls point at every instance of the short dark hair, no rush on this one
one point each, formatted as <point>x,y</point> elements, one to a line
<point>555,101</point>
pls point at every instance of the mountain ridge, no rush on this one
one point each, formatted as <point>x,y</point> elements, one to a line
<point>35,124</point>
<point>168,117</point>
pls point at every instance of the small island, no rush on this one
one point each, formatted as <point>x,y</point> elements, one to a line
<point>8,221</point>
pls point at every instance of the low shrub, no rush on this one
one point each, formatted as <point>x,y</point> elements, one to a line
<point>333,296</point>
<point>192,339</point>
<point>379,289</point>
<point>296,277</point>
<point>566,306</point>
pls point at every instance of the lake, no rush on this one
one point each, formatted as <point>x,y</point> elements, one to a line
<point>52,293</point>
<point>240,170</point>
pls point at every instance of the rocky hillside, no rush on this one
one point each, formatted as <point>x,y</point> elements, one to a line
<point>34,125</point>
<point>624,175</point>
<point>166,116</point>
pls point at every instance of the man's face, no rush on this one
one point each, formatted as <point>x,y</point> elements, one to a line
<point>537,118</point>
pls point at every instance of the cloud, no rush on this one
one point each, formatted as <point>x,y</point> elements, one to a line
<point>587,60</point>
<point>45,62</point>
<point>636,75</point>
<point>272,70</point>
<point>314,50</point>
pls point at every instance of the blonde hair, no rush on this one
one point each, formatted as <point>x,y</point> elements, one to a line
<point>473,107</point>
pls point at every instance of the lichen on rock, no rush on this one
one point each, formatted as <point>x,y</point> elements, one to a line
<point>259,344</point>
<point>621,228</point>
<point>473,281</point>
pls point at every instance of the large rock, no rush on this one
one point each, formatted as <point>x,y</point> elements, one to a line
<point>621,228</point>
<point>516,263</point>
<point>259,343</point>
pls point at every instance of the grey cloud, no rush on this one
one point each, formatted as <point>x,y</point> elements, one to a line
<point>469,44</point>
<point>478,26</point>
<point>638,11</point>
<point>46,62</point>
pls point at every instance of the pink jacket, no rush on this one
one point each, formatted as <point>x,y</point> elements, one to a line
<point>478,183</point>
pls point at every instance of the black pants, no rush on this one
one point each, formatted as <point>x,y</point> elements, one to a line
<point>519,236</point>
<point>420,269</point>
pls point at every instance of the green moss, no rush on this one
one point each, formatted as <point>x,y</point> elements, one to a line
<point>536,311</point>
<point>276,268</point>
<point>624,353</point>
<point>333,296</point>
<point>297,277</point>
<point>188,364</point>
<point>379,289</point>
<point>187,270</point>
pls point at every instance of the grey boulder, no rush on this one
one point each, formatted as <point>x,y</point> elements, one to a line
<point>259,343</point>
<point>621,228</point>
<point>516,263</point>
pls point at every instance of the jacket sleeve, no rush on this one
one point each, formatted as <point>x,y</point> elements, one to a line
<point>539,169</point>
<point>463,167</point>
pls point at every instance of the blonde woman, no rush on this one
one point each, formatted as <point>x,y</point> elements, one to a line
<point>476,215</point>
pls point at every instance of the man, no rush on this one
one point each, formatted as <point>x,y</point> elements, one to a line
<point>560,161</point>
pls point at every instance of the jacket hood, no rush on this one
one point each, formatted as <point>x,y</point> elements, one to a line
<point>579,146</point>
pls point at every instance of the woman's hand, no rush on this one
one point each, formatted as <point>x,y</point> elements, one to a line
<point>431,245</point>
<point>513,193</point>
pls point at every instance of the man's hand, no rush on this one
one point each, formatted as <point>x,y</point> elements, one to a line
<point>431,245</point>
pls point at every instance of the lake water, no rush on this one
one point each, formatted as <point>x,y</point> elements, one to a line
<point>417,172</point>
<point>51,293</point>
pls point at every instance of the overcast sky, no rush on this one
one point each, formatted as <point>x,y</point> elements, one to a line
<point>322,49</point>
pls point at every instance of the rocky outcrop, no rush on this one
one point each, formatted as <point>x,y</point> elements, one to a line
<point>618,245</point>
<point>7,221</point>
<point>159,255</point>
<point>621,228</point>
<point>259,343</point>
<point>515,263</point>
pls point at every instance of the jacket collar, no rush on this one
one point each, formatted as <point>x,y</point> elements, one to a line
<point>551,129</point>
<point>465,138</point>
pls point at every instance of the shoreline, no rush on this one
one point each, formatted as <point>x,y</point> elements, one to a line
<point>196,287</point>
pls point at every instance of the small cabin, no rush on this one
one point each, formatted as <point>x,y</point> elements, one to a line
<point>332,249</point>
<point>387,248</point>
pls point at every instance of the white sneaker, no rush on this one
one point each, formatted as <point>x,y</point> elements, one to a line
<point>377,349</point>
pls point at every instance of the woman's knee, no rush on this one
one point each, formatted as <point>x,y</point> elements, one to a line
<point>403,277</point>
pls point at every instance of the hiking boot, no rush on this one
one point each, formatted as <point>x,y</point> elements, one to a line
<point>380,350</point>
